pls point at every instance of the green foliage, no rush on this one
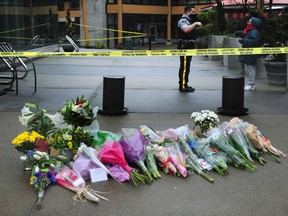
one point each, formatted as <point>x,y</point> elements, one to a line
<point>39,120</point>
<point>220,21</point>
<point>231,28</point>
<point>274,33</point>
<point>78,113</point>
<point>207,17</point>
<point>213,22</point>
<point>205,30</point>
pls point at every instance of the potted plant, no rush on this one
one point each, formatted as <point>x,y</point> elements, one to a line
<point>214,25</point>
<point>275,34</point>
<point>232,41</point>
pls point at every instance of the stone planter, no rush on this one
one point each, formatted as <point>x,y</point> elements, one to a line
<point>276,73</point>
<point>202,42</point>
<point>215,41</point>
<point>231,61</point>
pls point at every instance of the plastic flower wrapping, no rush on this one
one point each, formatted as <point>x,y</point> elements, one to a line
<point>113,153</point>
<point>68,179</point>
<point>131,155</point>
<point>133,143</point>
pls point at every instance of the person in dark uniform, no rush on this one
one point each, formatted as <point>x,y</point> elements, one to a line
<point>186,40</point>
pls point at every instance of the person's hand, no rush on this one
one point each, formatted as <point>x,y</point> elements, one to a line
<point>198,24</point>
<point>241,41</point>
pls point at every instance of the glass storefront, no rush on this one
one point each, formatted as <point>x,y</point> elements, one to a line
<point>21,20</point>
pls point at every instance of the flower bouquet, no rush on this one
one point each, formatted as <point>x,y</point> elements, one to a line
<point>90,153</point>
<point>178,158</point>
<point>68,179</point>
<point>262,143</point>
<point>150,135</point>
<point>205,119</point>
<point>70,138</point>
<point>41,179</point>
<point>218,140</point>
<point>133,143</point>
<point>151,162</point>
<point>26,141</point>
<point>183,133</point>
<point>78,113</point>
<point>112,153</point>
<point>169,135</point>
<point>39,120</point>
<point>203,150</point>
<point>164,160</point>
<point>236,133</point>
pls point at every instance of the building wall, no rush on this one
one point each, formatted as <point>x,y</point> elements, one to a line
<point>96,24</point>
<point>21,20</point>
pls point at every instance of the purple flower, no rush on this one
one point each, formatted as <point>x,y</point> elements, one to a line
<point>30,153</point>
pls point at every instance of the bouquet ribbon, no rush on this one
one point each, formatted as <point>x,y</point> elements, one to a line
<point>78,197</point>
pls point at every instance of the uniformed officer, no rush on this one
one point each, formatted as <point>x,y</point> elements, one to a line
<point>186,40</point>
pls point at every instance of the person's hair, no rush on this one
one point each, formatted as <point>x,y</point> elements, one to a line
<point>188,8</point>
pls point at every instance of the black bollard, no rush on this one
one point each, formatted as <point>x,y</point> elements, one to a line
<point>233,96</point>
<point>113,96</point>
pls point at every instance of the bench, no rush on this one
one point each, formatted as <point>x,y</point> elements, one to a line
<point>13,68</point>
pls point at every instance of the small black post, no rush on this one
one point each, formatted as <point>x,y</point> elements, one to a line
<point>149,42</point>
<point>113,96</point>
<point>233,96</point>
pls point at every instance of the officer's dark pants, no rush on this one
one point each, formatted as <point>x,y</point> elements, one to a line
<point>185,62</point>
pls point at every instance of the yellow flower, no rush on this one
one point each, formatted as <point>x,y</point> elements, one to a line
<point>27,136</point>
<point>53,151</point>
<point>32,178</point>
<point>20,138</point>
<point>70,145</point>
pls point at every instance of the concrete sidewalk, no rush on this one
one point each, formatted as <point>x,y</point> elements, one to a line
<point>152,97</point>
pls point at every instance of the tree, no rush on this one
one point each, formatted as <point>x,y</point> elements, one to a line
<point>220,18</point>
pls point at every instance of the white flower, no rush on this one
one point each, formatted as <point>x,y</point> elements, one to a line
<point>24,120</point>
<point>70,127</point>
<point>56,119</point>
<point>39,153</point>
<point>25,111</point>
<point>37,169</point>
<point>155,146</point>
<point>198,119</point>
<point>67,136</point>
<point>148,148</point>
<point>76,108</point>
<point>52,166</point>
<point>36,157</point>
<point>23,157</point>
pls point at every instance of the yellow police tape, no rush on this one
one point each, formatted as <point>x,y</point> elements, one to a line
<point>127,53</point>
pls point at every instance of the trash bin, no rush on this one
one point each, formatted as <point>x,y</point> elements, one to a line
<point>128,43</point>
<point>233,96</point>
<point>113,96</point>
